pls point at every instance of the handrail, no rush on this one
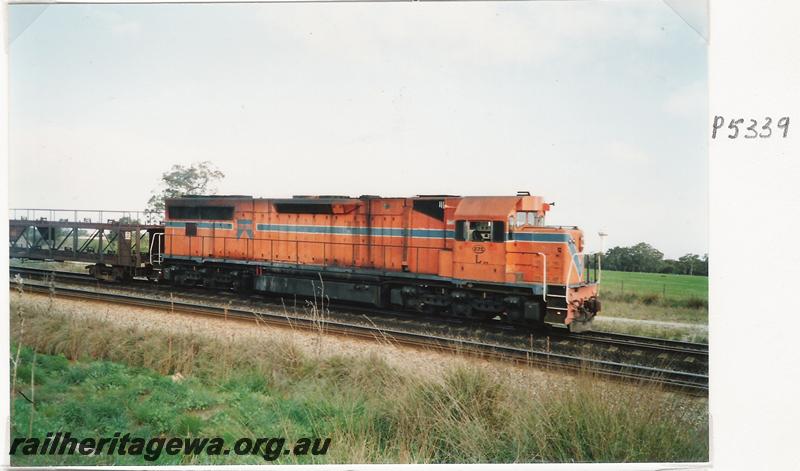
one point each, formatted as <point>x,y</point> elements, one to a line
<point>156,236</point>
<point>84,210</point>
<point>599,268</point>
<point>141,217</point>
<point>569,275</point>
<point>544,274</point>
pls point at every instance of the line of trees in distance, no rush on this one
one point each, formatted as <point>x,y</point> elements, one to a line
<point>643,257</point>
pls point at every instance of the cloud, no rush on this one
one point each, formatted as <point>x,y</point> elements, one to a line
<point>71,157</point>
<point>625,153</point>
<point>689,101</point>
<point>115,22</point>
<point>480,34</point>
<point>126,27</point>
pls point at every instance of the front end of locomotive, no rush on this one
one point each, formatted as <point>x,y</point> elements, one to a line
<point>554,265</point>
<point>581,289</point>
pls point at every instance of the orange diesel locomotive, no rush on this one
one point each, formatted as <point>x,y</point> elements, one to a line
<point>474,257</point>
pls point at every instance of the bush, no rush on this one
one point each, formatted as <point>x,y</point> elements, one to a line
<point>650,298</point>
<point>693,302</point>
<point>697,303</point>
<point>592,421</point>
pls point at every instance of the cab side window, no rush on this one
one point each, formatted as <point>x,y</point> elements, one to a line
<point>498,231</point>
<point>480,231</point>
<point>461,230</point>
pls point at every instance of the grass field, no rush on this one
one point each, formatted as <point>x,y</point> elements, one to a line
<point>678,287</point>
<point>96,378</point>
<point>664,298</point>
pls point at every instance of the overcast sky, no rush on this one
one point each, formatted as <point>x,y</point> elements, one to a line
<point>598,106</point>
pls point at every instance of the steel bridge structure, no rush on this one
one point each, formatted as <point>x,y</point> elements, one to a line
<point>115,245</point>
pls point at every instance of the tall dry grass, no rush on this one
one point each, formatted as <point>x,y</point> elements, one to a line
<point>650,299</point>
<point>377,413</point>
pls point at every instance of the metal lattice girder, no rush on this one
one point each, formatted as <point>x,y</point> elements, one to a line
<point>113,238</point>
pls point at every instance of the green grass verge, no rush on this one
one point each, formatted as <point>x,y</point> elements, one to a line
<point>95,378</point>
<point>669,286</point>
<point>655,312</point>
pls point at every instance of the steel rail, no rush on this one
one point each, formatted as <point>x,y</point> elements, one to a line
<point>689,382</point>
<point>609,338</point>
<point>692,357</point>
<point>645,342</point>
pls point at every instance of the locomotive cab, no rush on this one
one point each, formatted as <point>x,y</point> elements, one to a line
<point>505,240</point>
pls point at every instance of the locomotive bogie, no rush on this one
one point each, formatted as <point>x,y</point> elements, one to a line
<point>444,299</point>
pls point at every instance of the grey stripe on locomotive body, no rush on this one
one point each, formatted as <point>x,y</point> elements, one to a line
<point>362,231</point>
<point>375,231</point>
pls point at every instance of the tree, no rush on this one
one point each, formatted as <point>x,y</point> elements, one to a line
<point>640,257</point>
<point>702,269</point>
<point>196,179</point>
<point>646,258</point>
<point>592,258</point>
<point>690,263</point>
<point>669,266</point>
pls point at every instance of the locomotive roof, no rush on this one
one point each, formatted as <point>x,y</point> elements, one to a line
<point>480,207</point>
<point>310,199</point>
<point>469,206</point>
<point>240,197</point>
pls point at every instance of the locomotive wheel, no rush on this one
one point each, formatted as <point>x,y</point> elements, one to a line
<point>427,309</point>
<point>463,310</point>
<point>514,315</point>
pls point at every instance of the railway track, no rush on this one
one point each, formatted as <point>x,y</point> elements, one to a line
<point>664,345</point>
<point>672,363</point>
